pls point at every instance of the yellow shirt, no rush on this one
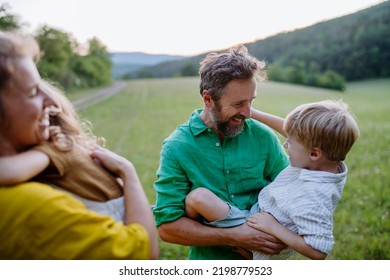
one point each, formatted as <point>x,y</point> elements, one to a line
<point>40,222</point>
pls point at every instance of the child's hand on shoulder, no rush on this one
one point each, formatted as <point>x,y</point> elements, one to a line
<point>113,162</point>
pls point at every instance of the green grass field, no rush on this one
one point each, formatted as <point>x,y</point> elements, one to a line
<point>136,121</point>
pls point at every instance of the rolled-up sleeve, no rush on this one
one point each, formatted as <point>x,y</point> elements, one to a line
<point>172,187</point>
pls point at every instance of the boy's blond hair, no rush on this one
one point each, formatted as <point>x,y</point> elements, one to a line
<point>327,125</point>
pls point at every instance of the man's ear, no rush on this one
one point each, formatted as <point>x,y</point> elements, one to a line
<point>315,154</point>
<point>208,101</point>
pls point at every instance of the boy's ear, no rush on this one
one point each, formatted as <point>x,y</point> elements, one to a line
<point>315,154</point>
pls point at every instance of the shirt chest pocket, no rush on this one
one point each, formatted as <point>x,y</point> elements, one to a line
<point>251,176</point>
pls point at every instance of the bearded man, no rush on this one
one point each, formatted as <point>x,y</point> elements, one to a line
<point>222,149</point>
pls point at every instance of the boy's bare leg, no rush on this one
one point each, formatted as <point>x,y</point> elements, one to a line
<point>201,202</point>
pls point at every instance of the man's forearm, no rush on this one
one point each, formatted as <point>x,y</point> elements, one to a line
<point>188,232</point>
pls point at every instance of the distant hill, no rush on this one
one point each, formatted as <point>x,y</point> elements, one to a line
<point>353,47</point>
<point>128,62</point>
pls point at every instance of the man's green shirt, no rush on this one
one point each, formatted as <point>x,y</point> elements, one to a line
<point>235,170</point>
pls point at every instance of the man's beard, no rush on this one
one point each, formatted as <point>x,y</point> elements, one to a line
<point>224,127</point>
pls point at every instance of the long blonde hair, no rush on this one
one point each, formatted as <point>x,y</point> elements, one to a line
<point>66,127</point>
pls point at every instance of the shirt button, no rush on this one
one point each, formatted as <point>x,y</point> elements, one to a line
<point>209,129</point>
<point>217,144</point>
<point>232,195</point>
<point>227,171</point>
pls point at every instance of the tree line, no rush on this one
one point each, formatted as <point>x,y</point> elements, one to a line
<point>64,61</point>
<point>327,54</point>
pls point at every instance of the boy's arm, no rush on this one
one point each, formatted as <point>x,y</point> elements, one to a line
<point>266,222</point>
<point>272,121</point>
<point>22,167</point>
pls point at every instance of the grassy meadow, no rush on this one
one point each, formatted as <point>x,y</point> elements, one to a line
<point>135,122</point>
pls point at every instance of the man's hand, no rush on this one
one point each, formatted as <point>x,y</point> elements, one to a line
<point>248,255</point>
<point>255,240</point>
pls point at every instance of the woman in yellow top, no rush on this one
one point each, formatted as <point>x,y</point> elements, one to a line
<point>65,161</point>
<point>41,222</point>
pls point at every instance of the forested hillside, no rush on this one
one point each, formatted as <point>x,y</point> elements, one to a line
<point>356,46</point>
<point>326,54</point>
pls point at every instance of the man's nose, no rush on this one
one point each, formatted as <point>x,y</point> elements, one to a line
<point>246,111</point>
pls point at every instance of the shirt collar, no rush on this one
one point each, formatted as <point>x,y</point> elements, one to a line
<point>197,125</point>
<point>322,176</point>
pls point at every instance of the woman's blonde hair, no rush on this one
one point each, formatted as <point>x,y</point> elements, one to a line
<point>66,127</point>
<point>327,125</point>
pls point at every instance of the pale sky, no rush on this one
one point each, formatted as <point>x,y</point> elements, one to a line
<point>178,27</point>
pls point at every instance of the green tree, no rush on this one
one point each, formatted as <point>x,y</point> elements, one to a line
<point>93,69</point>
<point>60,60</point>
<point>57,54</point>
<point>8,21</point>
<point>97,48</point>
<point>144,74</point>
<point>189,70</point>
<point>276,73</point>
<point>295,73</point>
<point>331,79</point>
<point>102,60</point>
